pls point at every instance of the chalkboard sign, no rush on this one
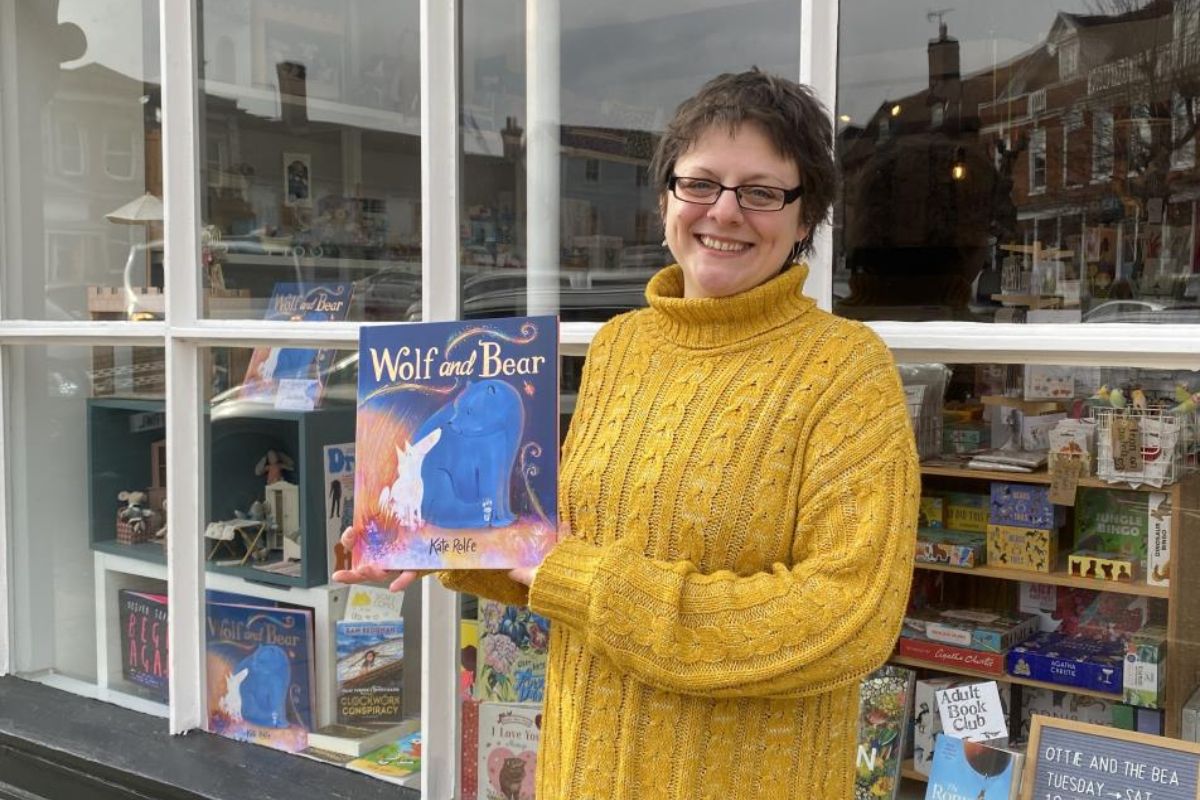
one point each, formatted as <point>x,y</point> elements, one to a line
<point>1070,760</point>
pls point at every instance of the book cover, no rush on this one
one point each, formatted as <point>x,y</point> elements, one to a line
<point>508,742</point>
<point>143,617</point>
<point>304,368</point>
<point>366,603</point>
<point>469,753</point>
<point>260,674</point>
<point>965,770</point>
<point>456,447</point>
<point>883,711</point>
<point>392,762</point>
<point>511,663</point>
<point>358,740</point>
<point>339,501</point>
<point>370,671</point>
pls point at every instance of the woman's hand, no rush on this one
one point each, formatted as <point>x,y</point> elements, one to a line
<point>523,575</point>
<point>397,581</point>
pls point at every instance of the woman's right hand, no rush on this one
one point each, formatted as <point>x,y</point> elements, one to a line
<point>397,581</point>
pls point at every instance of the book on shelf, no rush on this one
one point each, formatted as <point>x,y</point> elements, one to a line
<point>965,770</point>
<point>260,673</point>
<point>293,377</point>
<point>508,741</point>
<point>1008,460</point>
<point>456,444</point>
<point>370,671</point>
<point>143,617</point>
<point>358,740</point>
<point>373,604</point>
<point>338,462</point>
<point>883,714</point>
<point>511,662</point>
<point>398,761</point>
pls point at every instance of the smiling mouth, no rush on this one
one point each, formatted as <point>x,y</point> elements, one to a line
<point>722,245</point>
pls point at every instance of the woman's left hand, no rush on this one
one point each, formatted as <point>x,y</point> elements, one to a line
<point>523,575</point>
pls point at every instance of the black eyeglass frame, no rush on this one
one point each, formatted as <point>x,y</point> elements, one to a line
<point>789,195</point>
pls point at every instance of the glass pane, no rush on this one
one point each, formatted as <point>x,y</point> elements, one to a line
<point>1017,163</point>
<point>1064,498</point>
<point>311,161</point>
<point>82,237</point>
<point>280,465</point>
<point>86,467</point>
<point>624,69</point>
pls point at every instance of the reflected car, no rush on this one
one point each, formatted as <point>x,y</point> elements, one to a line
<point>1143,311</point>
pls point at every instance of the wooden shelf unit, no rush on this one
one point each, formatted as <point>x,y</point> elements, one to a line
<point>1182,596</point>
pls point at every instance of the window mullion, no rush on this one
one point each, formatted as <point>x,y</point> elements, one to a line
<point>818,37</point>
<point>181,201</point>
<point>440,200</point>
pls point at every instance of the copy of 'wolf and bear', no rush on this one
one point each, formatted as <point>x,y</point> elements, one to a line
<point>457,444</point>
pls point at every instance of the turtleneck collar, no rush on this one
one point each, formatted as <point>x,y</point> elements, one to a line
<point>719,321</point>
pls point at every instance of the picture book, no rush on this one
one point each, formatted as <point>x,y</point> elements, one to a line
<point>339,501</point>
<point>260,674</point>
<point>294,376</point>
<point>965,770</point>
<point>366,603</point>
<point>393,762</point>
<point>469,750</point>
<point>511,663</point>
<point>884,699</point>
<point>358,740</point>
<point>143,617</point>
<point>370,671</point>
<point>508,742</point>
<point>456,449</point>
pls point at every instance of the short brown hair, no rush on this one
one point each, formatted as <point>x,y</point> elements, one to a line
<point>795,121</point>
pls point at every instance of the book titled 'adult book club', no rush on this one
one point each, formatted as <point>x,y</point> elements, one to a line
<point>457,444</point>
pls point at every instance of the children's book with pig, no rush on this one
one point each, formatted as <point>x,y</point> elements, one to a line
<point>457,444</point>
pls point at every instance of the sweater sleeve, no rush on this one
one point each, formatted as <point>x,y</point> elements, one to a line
<point>822,622</point>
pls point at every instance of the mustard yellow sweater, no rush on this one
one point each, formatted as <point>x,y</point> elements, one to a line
<point>741,488</point>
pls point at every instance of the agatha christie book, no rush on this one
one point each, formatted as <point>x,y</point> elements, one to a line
<point>457,444</point>
<point>294,376</point>
<point>884,698</point>
<point>965,770</point>
<point>260,674</point>
<point>143,618</point>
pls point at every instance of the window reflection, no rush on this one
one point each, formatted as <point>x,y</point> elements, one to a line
<point>1020,165</point>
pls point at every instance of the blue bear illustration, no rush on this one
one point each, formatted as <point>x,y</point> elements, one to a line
<point>265,687</point>
<point>466,475</point>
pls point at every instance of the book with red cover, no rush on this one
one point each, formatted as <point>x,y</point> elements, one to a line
<point>949,656</point>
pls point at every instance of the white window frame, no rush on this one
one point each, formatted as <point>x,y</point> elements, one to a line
<point>114,133</point>
<point>185,335</point>
<point>59,126</point>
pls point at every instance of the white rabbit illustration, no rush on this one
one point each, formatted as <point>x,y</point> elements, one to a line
<point>231,702</point>
<point>405,494</point>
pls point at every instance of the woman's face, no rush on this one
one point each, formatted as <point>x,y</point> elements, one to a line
<point>724,249</point>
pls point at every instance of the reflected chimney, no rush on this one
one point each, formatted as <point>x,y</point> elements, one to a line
<point>944,71</point>
<point>293,93</point>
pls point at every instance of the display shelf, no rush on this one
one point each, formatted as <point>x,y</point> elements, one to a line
<point>114,571</point>
<point>908,661</point>
<point>1039,477</point>
<point>1056,578</point>
<point>907,770</point>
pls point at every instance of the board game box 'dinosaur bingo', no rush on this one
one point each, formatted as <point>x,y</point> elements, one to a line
<point>457,444</point>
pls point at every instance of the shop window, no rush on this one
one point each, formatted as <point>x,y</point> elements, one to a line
<point>1103,132</point>
<point>70,147</point>
<point>120,153</point>
<point>1140,139</point>
<point>1183,133</point>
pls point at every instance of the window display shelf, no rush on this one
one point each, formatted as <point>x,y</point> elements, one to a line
<point>115,571</point>
<point>906,661</point>
<point>1056,578</point>
<point>1040,477</point>
<point>907,770</point>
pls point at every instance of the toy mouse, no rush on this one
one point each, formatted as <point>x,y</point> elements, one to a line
<point>135,511</point>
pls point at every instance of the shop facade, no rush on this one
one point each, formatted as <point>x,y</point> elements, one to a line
<point>1018,203</point>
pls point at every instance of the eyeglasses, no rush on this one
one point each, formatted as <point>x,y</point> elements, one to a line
<point>704,192</point>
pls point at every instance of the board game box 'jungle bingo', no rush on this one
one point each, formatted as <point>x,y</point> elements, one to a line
<point>457,444</point>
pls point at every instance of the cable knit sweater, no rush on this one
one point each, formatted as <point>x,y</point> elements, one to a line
<point>741,490</point>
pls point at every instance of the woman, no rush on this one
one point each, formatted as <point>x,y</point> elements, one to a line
<point>740,485</point>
